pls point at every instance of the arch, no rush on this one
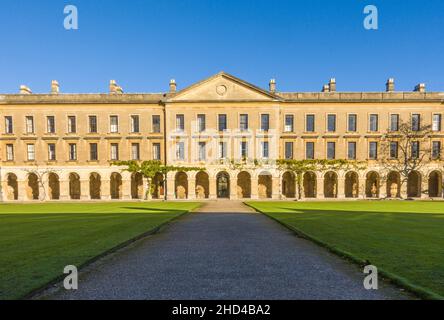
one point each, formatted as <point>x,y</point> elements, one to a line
<point>330,185</point>
<point>265,185</point>
<point>54,186</point>
<point>243,185</point>
<point>414,184</point>
<point>95,185</point>
<point>310,185</point>
<point>223,185</point>
<point>435,184</point>
<point>158,189</point>
<point>116,186</point>
<point>32,190</point>
<point>351,185</point>
<point>202,185</point>
<point>372,185</point>
<point>181,185</point>
<point>288,185</point>
<point>137,186</point>
<point>74,186</point>
<point>12,187</point>
<point>393,185</point>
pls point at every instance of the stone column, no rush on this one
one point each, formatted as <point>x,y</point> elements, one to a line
<point>191,188</point>
<point>145,189</point>
<point>84,190</point>
<point>170,187</point>
<point>126,189</point>
<point>105,189</point>
<point>276,189</point>
<point>21,185</point>
<point>254,188</point>
<point>424,187</point>
<point>44,192</point>
<point>233,189</point>
<point>213,189</point>
<point>404,191</point>
<point>64,190</point>
<point>382,188</point>
<point>341,188</point>
<point>320,188</point>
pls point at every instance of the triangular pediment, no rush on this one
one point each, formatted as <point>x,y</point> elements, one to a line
<point>223,87</point>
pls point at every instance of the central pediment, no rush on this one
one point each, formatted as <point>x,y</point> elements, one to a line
<point>223,87</point>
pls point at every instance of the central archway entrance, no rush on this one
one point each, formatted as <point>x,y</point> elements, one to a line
<point>223,185</point>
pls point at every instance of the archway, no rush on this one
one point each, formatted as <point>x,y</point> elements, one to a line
<point>372,183</point>
<point>116,186</point>
<point>202,185</point>
<point>288,185</point>
<point>157,186</point>
<point>309,185</point>
<point>243,185</point>
<point>393,185</point>
<point>74,186</point>
<point>223,185</point>
<point>351,185</point>
<point>265,185</point>
<point>414,185</point>
<point>137,186</point>
<point>33,187</point>
<point>181,185</point>
<point>54,186</point>
<point>330,185</point>
<point>435,184</point>
<point>95,184</point>
<point>12,185</point>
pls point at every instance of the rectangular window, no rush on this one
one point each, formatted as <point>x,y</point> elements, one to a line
<point>135,151</point>
<point>9,127</point>
<point>415,149</point>
<point>373,151</point>
<point>114,151</point>
<point>265,122</point>
<point>243,123</point>
<point>156,151</point>
<point>310,123</point>
<point>394,122</point>
<point>180,122</point>
<point>331,123</point>
<point>416,122</point>
<point>373,123</point>
<point>331,150</point>
<point>222,122</point>
<point>180,151</point>
<point>50,124</point>
<point>72,127</point>
<point>10,152</point>
<point>114,124</point>
<point>436,150</point>
<point>394,150</point>
<point>289,123</point>
<point>135,128</point>
<point>352,123</point>
<point>31,152</point>
<point>156,123</point>
<point>436,124</point>
<point>201,125</point>
<point>288,150</point>
<point>92,124</point>
<point>265,149</point>
<point>222,150</point>
<point>93,152</point>
<point>202,151</point>
<point>51,152</point>
<point>309,151</point>
<point>72,152</point>
<point>244,150</point>
<point>29,124</point>
<point>351,151</point>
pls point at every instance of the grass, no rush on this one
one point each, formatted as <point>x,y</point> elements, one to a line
<point>404,239</point>
<point>38,240</point>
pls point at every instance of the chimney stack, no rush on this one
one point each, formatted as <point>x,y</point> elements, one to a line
<point>332,85</point>
<point>325,88</point>
<point>25,90</point>
<point>272,85</point>
<point>420,88</point>
<point>390,85</point>
<point>173,86</point>
<point>114,88</point>
<point>54,87</point>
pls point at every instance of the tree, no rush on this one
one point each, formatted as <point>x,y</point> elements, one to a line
<point>40,174</point>
<point>300,167</point>
<point>150,168</point>
<point>405,150</point>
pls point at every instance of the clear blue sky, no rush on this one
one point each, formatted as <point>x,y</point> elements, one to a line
<point>144,43</point>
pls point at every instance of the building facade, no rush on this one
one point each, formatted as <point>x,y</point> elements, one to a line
<point>59,147</point>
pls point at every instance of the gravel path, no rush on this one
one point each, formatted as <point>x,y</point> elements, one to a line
<point>223,256</point>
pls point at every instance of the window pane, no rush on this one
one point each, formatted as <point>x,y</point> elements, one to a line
<point>309,150</point>
<point>436,126</point>
<point>180,122</point>
<point>180,151</point>
<point>331,123</point>
<point>9,152</point>
<point>288,150</point>
<point>416,119</point>
<point>289,123</point>
<point>51,152</point>
<point>393,150</point>
<point>8,125</point>
<point>352,123</point>
<point>114,124</point>
<point>29,125</point>
<point>135,124</point>
<point>310,125</point>
<point>50,124</point>
<point>93,156</point>
<point>373,150</point>
<point>265,151</point>
<point>373,122</point>
<point>31,152</point>
<point>72,128</point>
<point>156,123</point>
<point>244,122</point>
<point>114,151</point>
<point>135,151</point>
<point>394,122</point>
<point>202,151</point>
<point>222,150</point>
<point>265,122</point>
<point>201,123</point>
<point>331,150</point>
<point>222,121</point>
<point>244,149</point>
<point>415,149</point>
<point>436,150</point>
<point>92,124</point>
<point>156,151</point>
<point>352,150</point>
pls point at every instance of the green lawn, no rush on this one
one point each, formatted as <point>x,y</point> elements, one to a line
<point>38,240</point>
<point>403,238</point>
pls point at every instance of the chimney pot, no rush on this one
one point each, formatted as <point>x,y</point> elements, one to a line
<point>114,88</point>
<point>390,85</point>
<point>25,90</point>
<point>325,88</point>
<point>55,87</point>
<point>272,85</point>
<point>421,87</point>
<point>332,85</point>
<point>173,86</point>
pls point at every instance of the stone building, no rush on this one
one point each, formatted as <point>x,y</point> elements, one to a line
<point>58,147</point>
